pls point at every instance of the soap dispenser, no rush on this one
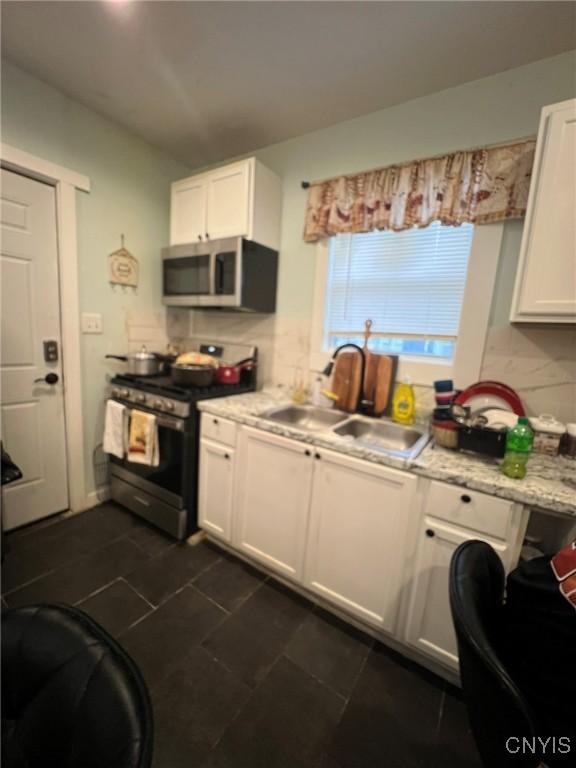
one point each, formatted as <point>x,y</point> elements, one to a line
<point>404,402</point>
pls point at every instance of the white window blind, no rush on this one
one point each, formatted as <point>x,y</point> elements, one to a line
<point>409,283</point>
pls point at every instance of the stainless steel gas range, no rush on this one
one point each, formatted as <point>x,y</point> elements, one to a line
<point>167,495</point>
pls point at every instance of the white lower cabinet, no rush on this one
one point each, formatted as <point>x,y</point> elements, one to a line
<point>216,488</point>
<point>273,498</point>
<point>429,625</point>
<point>374,542</point>
<point>356,534</point>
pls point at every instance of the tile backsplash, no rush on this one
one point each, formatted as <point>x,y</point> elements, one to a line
<point>540,363</point>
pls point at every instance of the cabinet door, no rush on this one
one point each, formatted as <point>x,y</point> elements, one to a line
<point>274,484</point>
<point>429,626</point>
<point>356,536</point>
<point>546,281</point>
<point>228,201</point>
<point>188,210</point>
<point>215,492</point>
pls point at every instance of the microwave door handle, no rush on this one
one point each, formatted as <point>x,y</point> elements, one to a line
<point>212,275</point>
<point>219,275</point>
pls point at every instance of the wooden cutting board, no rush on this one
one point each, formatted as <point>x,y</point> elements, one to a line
<point>379,380</point>
<point>346,380</point>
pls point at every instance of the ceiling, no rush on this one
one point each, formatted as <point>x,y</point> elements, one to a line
<point>209,80</point>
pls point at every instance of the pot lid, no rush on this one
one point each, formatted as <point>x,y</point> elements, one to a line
<point>143,354</point>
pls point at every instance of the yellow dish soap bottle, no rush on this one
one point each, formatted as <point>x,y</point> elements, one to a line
<point>404,402</point>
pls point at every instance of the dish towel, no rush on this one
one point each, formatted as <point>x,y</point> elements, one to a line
<point>143,445</point>
<point>115,429</point>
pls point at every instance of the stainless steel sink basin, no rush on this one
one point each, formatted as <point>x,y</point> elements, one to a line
<point>385,436</point>
<point>305,417</point>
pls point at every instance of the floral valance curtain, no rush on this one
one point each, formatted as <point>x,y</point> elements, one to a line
<point>477,186</point>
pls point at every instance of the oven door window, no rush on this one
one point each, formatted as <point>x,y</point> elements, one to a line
<point>225,279</point>
<point>187,276</point>
<point>169,472</point>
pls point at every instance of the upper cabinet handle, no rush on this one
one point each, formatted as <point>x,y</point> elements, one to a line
<point>465,498</point>
<point>214,421</point>
<point>307,452</point>
<point>199,237</point>
<point>207,236</point>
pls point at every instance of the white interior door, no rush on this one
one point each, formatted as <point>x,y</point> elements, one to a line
<point>33,428</point>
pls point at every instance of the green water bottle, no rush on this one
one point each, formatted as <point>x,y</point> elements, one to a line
<point>519,442</point>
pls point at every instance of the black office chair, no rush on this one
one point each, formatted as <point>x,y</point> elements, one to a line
<point>71,696</point>
<point>496,708</point>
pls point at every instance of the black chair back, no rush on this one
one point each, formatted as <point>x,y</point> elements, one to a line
<point>496,707</point>
<point>71,696</point>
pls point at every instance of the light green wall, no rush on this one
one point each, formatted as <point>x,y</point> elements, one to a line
<point>130,194</point>
<point>130,184</point>
<point>495,109</point>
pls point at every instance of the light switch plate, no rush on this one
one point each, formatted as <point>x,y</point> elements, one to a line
<point>91,322</point>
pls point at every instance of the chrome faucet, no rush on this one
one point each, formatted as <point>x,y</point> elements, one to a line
<point>362,405</point>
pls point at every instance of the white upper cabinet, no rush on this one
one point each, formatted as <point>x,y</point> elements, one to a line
<point>188,210</point>
<point>242,199</point>
<point>545,290</point>
<point>356,536</point>
<point>228,201</point>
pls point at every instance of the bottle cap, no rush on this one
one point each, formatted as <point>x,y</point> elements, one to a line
<point>444,385</point>
<point>523,420</point>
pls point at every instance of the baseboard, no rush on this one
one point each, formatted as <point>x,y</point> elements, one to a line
<point>97,497</point>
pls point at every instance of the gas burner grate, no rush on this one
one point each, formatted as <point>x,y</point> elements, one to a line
<point>163,387</point>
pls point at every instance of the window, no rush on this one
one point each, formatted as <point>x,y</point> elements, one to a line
<point>427,292</point>
<point>409,283</point>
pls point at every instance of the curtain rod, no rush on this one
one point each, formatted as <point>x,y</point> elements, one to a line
<point>524,139</point>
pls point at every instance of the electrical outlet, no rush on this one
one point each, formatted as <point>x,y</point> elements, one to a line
<point>91,322</point>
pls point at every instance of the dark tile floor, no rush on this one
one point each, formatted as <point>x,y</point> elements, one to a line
<point>242,672</point>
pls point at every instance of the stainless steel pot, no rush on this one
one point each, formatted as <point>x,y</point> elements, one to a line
<point>142,363</point>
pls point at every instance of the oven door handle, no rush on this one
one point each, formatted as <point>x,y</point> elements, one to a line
<point>169,422</point>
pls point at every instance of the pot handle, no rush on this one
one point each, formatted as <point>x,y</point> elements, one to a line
<point>118,357</point>
<point>244,363</point>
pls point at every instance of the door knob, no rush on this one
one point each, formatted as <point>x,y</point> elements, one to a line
<point>50,378</point>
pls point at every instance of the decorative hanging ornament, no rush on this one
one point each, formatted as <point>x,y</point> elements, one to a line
<point>123,267</point>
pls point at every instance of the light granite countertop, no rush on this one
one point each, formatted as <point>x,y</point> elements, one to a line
<point>544,486</point>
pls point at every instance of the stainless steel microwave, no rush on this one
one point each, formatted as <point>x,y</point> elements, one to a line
<point>232,273</point>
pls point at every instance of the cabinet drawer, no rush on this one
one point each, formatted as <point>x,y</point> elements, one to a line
<point>220,430</point>
<point>469,509</point>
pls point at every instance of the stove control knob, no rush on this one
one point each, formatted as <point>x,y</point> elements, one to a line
<point>140,398</point>
<point>169,405</point>
<point>124,393</point>
<point>159,405</point>
<point>114,392</point>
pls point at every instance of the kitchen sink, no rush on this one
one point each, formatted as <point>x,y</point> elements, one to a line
<point>305,417</point>
<point>385,436</point>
